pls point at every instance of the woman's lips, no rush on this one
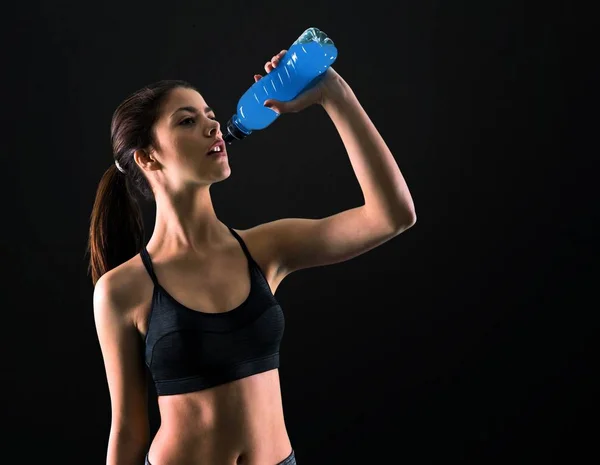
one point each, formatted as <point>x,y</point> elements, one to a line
<point>217,145</point>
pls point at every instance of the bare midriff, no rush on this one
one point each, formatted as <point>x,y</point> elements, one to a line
<point>237,423</point>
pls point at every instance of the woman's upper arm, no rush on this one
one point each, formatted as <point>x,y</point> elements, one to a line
<point>122,352</point>
<point>296,243</point>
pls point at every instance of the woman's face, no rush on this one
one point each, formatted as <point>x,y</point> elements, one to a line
<point>185,132</point>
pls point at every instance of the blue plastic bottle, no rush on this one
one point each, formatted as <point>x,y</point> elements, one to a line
<point>305,62</point>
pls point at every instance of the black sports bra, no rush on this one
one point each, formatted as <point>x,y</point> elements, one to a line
<point>188,350</point>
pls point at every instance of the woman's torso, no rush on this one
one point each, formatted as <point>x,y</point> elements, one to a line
<point>239,422</point>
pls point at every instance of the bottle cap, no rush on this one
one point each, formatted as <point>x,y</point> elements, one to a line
<point>232,132</point>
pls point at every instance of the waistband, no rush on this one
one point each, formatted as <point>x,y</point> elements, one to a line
<point>289,460</point>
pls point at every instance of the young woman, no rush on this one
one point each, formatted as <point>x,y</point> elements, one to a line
<point>195,305</point>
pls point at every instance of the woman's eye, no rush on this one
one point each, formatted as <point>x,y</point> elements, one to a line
<point>187,121</point>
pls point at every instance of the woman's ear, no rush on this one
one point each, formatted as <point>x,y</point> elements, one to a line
<point>145,160</point>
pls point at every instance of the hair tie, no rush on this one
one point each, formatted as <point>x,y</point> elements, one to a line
<point>119,167</point>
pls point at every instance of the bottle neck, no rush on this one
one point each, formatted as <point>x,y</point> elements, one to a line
<point>235,130</point>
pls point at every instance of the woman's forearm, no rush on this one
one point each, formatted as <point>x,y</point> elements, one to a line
<point>383,186</point>
<point>123,449</point>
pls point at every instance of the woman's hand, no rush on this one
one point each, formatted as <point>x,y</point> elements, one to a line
<point>331,85</point>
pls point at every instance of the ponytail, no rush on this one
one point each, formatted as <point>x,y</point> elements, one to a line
<point>116,227</point>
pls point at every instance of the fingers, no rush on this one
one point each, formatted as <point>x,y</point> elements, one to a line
<point>270,65</point>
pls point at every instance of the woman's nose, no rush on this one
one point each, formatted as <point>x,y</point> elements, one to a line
<point>213,129</point>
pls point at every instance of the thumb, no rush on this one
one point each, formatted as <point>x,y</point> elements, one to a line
<point>275,105</point>
<point>307,98</point>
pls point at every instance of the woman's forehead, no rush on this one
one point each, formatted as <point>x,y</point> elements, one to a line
<point>184,98</point>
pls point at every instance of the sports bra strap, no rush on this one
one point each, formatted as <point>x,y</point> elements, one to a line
<point>148,264</point>
<point>244,248</point>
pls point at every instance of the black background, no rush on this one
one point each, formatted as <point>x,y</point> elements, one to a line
<point>461,340</point>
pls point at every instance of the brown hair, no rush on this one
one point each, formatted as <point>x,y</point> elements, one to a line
<point>116,228</point>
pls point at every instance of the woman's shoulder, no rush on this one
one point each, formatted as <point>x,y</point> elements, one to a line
<point>128,286</point>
